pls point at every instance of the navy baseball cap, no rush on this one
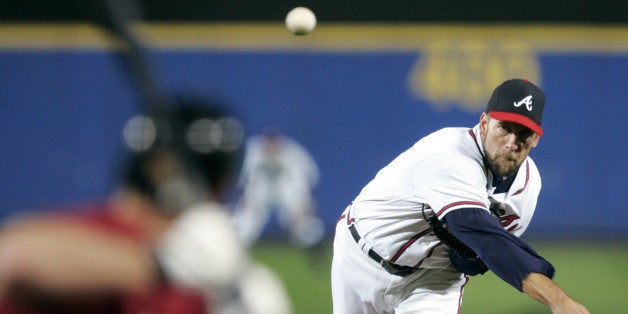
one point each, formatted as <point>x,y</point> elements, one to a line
<point>519,101</point>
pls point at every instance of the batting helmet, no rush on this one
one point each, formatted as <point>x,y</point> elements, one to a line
<point>183,153</point>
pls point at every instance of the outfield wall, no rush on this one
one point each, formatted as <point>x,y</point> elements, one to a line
<point>354,94</point>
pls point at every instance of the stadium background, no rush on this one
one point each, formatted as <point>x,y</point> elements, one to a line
<point>371,79</point>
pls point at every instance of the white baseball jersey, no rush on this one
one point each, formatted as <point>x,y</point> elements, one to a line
<point>289,170</point>
<point>443,172</point>
<point>280,176</point>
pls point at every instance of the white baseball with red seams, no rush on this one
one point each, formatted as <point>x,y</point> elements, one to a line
<point>387,215</point>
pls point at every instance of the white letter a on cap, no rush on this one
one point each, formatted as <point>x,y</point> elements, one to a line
<point>527,101</point>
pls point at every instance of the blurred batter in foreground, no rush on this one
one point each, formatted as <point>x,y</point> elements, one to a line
<point>162,243</point>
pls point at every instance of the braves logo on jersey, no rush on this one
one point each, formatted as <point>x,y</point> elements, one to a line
<point>506,216</point>
<point>509,222</point>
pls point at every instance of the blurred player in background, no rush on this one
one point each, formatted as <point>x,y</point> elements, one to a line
<point>162,243</point>
<point>278,173</point>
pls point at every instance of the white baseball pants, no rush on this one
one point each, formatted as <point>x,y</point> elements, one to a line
<point>360,285</point>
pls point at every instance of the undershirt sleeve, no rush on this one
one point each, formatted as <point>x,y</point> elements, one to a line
<point>509,257</point>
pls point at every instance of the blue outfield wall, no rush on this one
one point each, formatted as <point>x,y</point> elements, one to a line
<point>355,106</point>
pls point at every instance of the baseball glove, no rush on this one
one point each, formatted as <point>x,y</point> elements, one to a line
<point>461,256</point>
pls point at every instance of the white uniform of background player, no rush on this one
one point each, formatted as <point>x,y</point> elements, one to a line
<point>387,258</point>
<point>278,173</point>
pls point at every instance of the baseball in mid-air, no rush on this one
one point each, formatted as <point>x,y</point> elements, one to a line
<point>300,21</point>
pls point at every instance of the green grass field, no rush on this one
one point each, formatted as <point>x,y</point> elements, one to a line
<point>592,273</point>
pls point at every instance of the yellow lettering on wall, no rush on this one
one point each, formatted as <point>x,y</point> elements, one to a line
<point>463,73</point>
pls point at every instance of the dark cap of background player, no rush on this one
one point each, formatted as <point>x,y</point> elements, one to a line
<point>519,101</point>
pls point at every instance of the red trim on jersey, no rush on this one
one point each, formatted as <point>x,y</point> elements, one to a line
<point>407,244</point>
<point>473,135</point>
<point>340,218</point>
<point>350,220</point>
<point>460,203</point>
<point>462,292</point>
<point>527,179</point>
<point>429,254</point>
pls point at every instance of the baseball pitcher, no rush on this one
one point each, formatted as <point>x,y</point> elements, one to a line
<point>451,206</point>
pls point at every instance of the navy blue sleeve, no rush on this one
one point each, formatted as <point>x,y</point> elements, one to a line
<point>509,257</point>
